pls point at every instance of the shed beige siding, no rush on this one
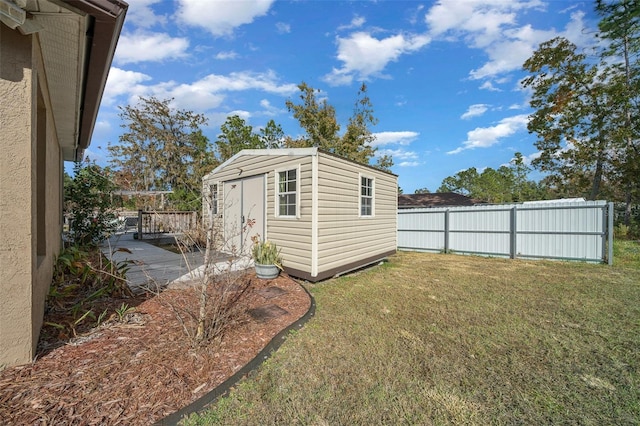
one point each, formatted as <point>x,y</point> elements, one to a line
<point>328,234</point>
<point>293,235</point>
<point>342,232</point>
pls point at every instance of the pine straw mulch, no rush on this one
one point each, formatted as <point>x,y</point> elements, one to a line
<point>143,368</point>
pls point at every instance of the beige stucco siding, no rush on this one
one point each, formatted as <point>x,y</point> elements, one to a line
<point>30,192</point>
<point>344,236</point>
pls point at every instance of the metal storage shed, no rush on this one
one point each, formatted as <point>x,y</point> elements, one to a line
<point>329,215</point>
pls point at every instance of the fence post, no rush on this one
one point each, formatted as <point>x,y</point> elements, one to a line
<point>139,224</point>
<point>446,231</point>
<point>610,230</point>
<point>513,225</point>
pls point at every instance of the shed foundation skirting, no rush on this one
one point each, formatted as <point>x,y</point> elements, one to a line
<point>343,269</point>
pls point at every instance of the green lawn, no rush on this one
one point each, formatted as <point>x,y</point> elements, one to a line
<point>449,339</point>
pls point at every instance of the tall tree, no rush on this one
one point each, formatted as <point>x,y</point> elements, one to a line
<point>235,136</point>
<point>620,29</point>
<point>318,119</point>
<point>463,182</point>
<point>422,191</point>
<point>272,135</point>
<point>356,142</point>
<point>572,106</point>
<point>162,148</point>
<point>504,185</point>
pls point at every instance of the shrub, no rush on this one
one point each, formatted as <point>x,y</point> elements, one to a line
<point>87,199</point>
<point>266,253</point>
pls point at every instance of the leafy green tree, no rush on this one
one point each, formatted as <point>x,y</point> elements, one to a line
<point>356,142</point>
<point>318,119</point>
<point>422,191</point>
<point>463,182</point>
<point>524,189</point>
<point>163,148</point>
<point>620,29</point>
<point>505,185</point>
<point>572,108</point>
<point>235,136</point>
<point>272,135</point>
<point>87,200</point>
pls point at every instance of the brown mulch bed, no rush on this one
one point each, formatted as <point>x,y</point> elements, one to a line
<point>144,367</point>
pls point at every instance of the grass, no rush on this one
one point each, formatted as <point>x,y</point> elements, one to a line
<point>447,339</point>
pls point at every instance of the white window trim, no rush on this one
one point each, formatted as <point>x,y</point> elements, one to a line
<point>215,195</point>
<point>373,196</point>
<point>276,178</point>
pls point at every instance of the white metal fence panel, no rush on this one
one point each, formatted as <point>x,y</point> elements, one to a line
<point>580,230</point>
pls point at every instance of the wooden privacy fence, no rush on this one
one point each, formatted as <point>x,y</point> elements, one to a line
<point>580,230</point>
<point>165,222</point>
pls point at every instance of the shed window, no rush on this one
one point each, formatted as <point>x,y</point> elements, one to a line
<point>287,193</point>
<point>366,196</point>
<point>214,199</point>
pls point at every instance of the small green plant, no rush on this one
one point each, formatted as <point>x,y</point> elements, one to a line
<point>101,317</point>
<point>265,252</point>
<point>82,279</point>
<point>123,310</point>
<point>621,231</point>
<point>87,202</point>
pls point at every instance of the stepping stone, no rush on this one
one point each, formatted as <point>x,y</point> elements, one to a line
<point>267,312</point>
<point>271,292</point>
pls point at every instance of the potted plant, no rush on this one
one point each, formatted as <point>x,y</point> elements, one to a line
<point>266,259</point>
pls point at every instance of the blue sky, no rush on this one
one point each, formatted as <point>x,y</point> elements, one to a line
<point>443,76</point>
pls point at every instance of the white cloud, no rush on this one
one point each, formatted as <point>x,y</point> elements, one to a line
<point>482,18</point>
<point>226,55</point>
<point>210,91</point>
<point>485,137</point>
<point>487,85</point>
<point>364,56</point>
<point>202,95</point>
<point>217,118</point>
<point>409,164</point>
<point>283,28</point>
<point>492,25</point>
<point>511,51</point>
<point>122,82</point>
<point>475,110</point>
<point>270,110</point>
<point>141,14</point>
<point>398,154</point>
<point>390,138</point>
<point>356,22</point>
<point>246,80</point>
<point>221,17</point>
<point>141,47</point>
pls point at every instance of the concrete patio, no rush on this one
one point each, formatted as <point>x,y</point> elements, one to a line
<point>154,268</point>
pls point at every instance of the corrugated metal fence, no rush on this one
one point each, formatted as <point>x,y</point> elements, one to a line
<point>570,231</point>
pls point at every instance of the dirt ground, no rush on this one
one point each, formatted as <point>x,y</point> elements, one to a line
<point>137,369</point>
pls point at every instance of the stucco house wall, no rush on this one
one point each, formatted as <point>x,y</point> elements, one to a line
<point>327,235</point>
<point>46,117</point>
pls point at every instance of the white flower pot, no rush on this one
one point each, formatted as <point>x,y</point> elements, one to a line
<point>267,272</point>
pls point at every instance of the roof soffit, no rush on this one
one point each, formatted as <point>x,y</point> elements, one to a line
<point>77,39</point>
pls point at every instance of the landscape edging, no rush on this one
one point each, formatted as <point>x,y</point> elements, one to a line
<point>224,388</point>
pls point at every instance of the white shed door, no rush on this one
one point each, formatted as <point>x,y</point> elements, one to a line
<point>243,213</point>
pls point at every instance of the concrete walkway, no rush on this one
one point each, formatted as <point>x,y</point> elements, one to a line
<point>155,268</point>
